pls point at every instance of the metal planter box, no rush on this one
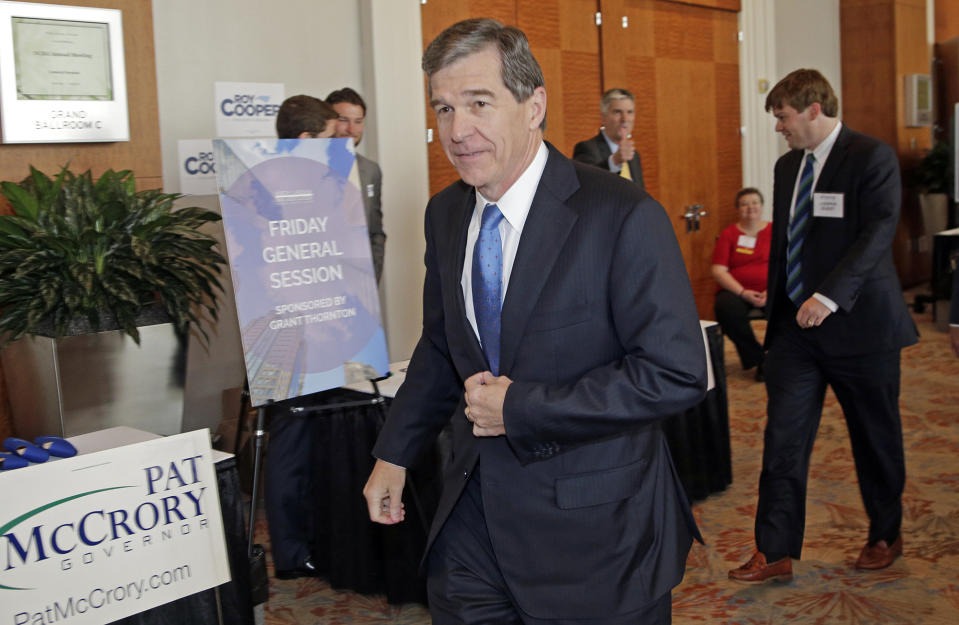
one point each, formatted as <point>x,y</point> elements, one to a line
<point>79,384</point>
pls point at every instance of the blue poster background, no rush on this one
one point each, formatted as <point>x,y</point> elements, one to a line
<point>299,252</point>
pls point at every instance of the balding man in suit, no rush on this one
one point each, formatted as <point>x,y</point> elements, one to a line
<point>613,148</point>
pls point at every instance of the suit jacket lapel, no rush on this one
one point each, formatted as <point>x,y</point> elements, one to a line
<point>547,227</point>
<point>782,203</point>
<point>454,272</point>
<point>829,169</point>
<point>834,160</point>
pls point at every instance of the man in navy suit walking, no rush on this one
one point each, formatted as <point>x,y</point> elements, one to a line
<point>837,317</point>
<point>559,329</point>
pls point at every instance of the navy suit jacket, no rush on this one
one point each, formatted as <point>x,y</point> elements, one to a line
<point>596,152</point>
<point>849,258</point>
<point>601,338</point>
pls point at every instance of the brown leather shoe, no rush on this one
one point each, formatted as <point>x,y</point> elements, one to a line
<point>756,570</point>
<point>879,555</point>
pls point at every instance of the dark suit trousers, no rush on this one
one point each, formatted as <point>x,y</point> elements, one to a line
<point>867,388</point>
<point>465,586</point>
<point>290,509</point>
<point>731,311</point>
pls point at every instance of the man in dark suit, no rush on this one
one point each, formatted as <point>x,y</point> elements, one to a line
<point>351,119</point>
<point>290,515</point>
<point>837,317</point>
<point>558,329</point>
<point>613,148</point>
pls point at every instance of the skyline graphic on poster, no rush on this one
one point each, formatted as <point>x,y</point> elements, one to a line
<point>299,252</point>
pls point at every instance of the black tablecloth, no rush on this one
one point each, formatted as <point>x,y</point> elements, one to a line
<point>355,554</point>
<point>699,438</point>
<point>944,247</point>
<point>350,551</point>
<point>201,608</point>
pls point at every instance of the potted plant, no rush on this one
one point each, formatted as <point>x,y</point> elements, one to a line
<point>933,174</point>
<point>98,259</point>
<point>97,253</point>
<point>932,177</point>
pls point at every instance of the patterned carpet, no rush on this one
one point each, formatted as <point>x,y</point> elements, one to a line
<point>922,587</point>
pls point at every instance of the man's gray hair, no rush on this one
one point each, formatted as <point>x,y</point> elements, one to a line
<point>520,72</point>
<point>611,95</point>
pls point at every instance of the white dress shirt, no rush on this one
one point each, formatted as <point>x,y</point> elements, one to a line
<point>820,153</point>
<point>514,205</point>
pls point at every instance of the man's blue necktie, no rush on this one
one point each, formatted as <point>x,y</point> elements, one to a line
<point>488,284</point>
<point>797,232</point>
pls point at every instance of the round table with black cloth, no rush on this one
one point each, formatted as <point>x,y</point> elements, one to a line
<point>699,437</point>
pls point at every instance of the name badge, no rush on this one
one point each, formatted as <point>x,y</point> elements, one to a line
<point>827,205</point>
<point>370,190</point>
<point>746,241</point>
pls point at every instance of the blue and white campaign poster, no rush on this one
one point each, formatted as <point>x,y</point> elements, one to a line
<point>247,109</point>
<point>101,536</point>
<point>299,252</point>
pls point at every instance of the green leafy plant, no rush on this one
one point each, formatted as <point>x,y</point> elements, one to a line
<point>100,250</point>
<point>933,174</point>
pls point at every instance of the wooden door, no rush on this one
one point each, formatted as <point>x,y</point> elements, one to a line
<point>564,38</point>
<point>681,61</point>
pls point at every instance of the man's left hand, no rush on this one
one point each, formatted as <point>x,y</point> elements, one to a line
<point>812,313</point>
<point>485,394</point>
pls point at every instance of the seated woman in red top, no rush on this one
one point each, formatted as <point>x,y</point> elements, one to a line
<point>740,266</point>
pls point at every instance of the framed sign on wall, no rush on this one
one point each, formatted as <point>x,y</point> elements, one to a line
<point>62,74</point>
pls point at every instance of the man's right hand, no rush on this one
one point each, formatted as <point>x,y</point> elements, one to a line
<point>626,150</point>
<point>384,493</point>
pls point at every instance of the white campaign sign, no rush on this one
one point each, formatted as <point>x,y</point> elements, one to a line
<point>197,165</point>
<point>247,109</point>
<point>101,536</point>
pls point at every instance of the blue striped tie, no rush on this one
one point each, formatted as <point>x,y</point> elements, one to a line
<point>488,284</point>
<point>797,233</point>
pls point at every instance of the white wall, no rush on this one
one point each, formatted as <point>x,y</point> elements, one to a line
<point>396,80</point>
<point>779,37</point>
<point>757,75</point>
<point>807,36</point>
<point>313,47</point>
